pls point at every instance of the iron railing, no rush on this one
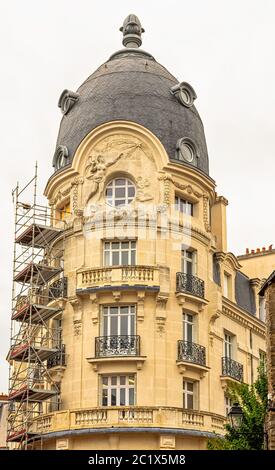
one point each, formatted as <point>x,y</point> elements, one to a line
<point>232,369</point>
<point>58,288</point>
<point>57,359</point>
<point>191,352</point>
<point>190,284</point>
<point>124,345</point>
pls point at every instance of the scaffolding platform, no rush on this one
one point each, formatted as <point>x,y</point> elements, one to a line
<point>38,236</point>
<point>25,352</point>
<point>38,273</point>
<point>27,393</point>
<point>39,313</point>
<point>21,435</point>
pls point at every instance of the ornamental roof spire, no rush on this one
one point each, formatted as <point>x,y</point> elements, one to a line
<point>132,31</point>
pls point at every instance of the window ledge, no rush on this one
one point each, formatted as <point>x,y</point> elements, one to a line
<point>98,362</point>
<point>197,370</point>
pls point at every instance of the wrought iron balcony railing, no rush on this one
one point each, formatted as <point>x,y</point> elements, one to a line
<point>190,284</point>
<point>124,345</point>
<point>232,369</point>
<point>57,359</point>
<point>58,288</point>
<point>191,352</point>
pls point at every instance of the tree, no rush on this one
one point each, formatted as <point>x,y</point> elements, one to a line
<point>253,401</point>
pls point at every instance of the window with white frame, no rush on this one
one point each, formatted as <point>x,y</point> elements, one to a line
<point>227,285</point>
<point>189,389</point>
<point>188,262</point>
<point>118,390</point>
<point>118,320</point>
<point>184,206</point>
<point>228,345</point>
<point>120,192</point>
<point>119,253</point>
<point>188,327</point>
<point>227,404</point>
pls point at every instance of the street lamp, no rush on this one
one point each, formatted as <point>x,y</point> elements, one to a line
<point>235,416</point>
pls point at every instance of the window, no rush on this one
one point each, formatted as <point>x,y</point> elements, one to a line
<point>119,320</point>
<point>262,309</point>
<point>119,253</point>
<point>188,261</point>
<point>118,390</point>
<point>120,192</point>
<point>183,206</point>
<point>227,404</point>
<point>227,285</point>
<point>228,345</point>
<point>188,395</point>
<point>188,327</point>
<point>64,211</point>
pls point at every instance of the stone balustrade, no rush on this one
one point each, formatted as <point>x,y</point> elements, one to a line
<point>118,275</point>
<point>105,417</point>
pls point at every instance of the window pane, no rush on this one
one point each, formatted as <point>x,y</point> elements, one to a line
<point>104,397</point>
<point>132,330</point>
<point>115,245</point>
<point>113,380</point>
<point>107,245</point>
<point>122,397</point>
<point>122,379</point>
<point>113,310</point>
<point>131,396</point>
<point>107,258</point>
<point>105,325</point>
<point>131,192</point>
<point>189,333</point>
<point>131,380</point>
<point>133,245</point>
<point>120,202</point>
<point>114,326</point>
<point>189,254</point>
<point>124,310</point>
<point>113,397</point>
<point>189,386</point>
<point>190,402</point>
<point>133,257</point>
<point>125,245</point>
<point>105,380</point>
<point>109,192</point>
<point>115,258</point>
<point>124,325</point>
<point>120,193</point>
<point>120,182</point>
<point>125,258</point>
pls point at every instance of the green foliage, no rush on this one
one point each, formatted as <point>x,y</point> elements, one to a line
<point>253,401</point>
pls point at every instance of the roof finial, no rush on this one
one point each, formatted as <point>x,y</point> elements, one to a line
<point>132,31</point>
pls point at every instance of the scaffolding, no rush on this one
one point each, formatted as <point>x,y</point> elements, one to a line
<point>39,289</point>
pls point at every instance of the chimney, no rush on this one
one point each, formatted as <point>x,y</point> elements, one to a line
<point>258,250</point>
<point>270,247</point>
<point>252,252</point>
<point>247,251</point>
<point>263,248</point>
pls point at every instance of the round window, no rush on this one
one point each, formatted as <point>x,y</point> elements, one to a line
<point>120,192</point>
<point>186,152</point>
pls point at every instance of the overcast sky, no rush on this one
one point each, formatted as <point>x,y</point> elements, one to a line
<point>223,48</point>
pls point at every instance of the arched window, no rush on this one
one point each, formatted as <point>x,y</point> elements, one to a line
<point>120,192</point>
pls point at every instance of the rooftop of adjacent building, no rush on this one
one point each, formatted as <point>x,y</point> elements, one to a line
<point>264,251</point>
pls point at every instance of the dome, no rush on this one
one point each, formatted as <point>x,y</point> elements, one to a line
<point>133,86</point>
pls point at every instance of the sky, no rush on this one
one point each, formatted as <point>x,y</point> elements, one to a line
<point>224,49</point>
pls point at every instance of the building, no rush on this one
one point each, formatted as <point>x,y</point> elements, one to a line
<point>3,420</point>
<point>130,317</point>
<point>268,292</point>
<point>258,263</point>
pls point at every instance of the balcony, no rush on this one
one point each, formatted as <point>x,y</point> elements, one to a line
<point>191,356</point>
<point>130,417</point>
<point>190,284</point>
<point>108,278</point>
<point>56,365</point>
<point>111,349</point>
<point>125,345</point>
<point>232,369</point>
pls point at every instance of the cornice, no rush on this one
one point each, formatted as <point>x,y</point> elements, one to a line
<point>242,317</point>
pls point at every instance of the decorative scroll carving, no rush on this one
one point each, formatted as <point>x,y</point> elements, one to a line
<point>142,184</point>
<point>161,302</point>
<point>206,212</point>
<point>76,303</point>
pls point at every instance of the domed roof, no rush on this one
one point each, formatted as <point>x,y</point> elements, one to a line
<point>132,86</point>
